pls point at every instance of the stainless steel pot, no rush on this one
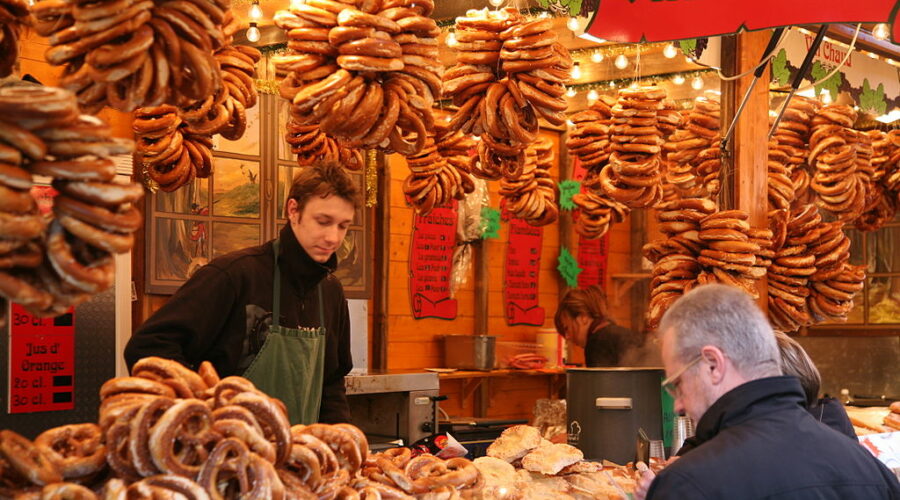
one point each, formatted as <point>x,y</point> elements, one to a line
<point>607,406</point>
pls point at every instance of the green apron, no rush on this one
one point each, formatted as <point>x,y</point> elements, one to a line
<point>290,364</point>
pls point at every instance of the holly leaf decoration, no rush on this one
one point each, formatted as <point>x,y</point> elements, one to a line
<point>780,71</point>
<point>544,3</point>
<point>568,267</point>
<point>872,99</point>
<point>490,223</point>
<point>832,84</point>
<point>688,46</point>
<point>568,189</point>
<point>574,7</point>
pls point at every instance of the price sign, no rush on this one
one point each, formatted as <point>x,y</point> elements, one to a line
<point>592,258</point>
<point>523,262</point>
<point>41,362</point>
<point>430,260</point>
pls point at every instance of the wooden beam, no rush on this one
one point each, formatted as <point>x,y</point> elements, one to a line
<point>381,295</point>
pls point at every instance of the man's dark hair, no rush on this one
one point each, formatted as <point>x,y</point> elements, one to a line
<point>323,179</point>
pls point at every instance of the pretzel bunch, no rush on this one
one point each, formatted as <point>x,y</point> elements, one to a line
<point>50,264</point>
<point>891,179</point>
<point>510,71</point>
<point>692,151</point>
<point>134,53</point>
<point>532,195</point>
<point>589,138</point>
<point>596,211</point>
<point>363,71</point>
<point>839,186</point>
<point>13,17</point>
<point>311,145</point>
<point>457,148</point>
<point>792,137</point>
<point>433,181</point>
<point>881,201</point>
<point>778,174</point>
<point>171,153</point>
<point>633,175</point>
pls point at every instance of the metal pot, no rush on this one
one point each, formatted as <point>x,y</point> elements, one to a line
<point>607,406</point>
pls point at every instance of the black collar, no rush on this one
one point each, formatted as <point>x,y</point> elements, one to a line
<point>297,267</point>
<point>743,403</point>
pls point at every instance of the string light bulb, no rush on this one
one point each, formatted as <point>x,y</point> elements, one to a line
<point>621,61</point>
<point>678,79</point>
<point>572,23</point>
<point>593,95</point>
<point>295,4</point>
<point>576,71</point>
<point>253,33</point>
<point>570,92</point>
<point>544,15</point>
<point>825,95</point>
<point>451,38</point>
<point>256,12</point>
<point>597,57</point>
<point>670,51</point>
<point>697,83</point>
<point>496,3</point>
<point>881,31</point>
<point>570,123</point>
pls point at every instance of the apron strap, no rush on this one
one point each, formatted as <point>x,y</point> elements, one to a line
<point>276,293</point>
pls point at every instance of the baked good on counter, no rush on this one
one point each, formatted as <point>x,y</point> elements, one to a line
<point>514,443</point>
<point>50,264</point>
<point>552,458</point>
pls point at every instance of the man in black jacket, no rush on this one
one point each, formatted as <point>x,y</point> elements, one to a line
<point>754,439</point>
<point>224,311</point>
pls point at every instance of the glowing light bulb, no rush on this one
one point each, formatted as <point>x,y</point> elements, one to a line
<point>597,57</point>
<point>570,92</point>
<point>570,123</point>
<point>297,3</point>
<point>678,79</point>
<point>253,33</point>
<point>593,95</point>
<point>451,38</point>
<point>697,83</point>
<point>544,15</point>
<point>872,55</point>
<point>255,11</point>
<point>496,3</point>
<point>621,61</point>
<point>881,31</point>
<point>612,85</point>
<point>825,96</point>
<point>670,51</point>
<point>572,24</point>
<point>576,71</point>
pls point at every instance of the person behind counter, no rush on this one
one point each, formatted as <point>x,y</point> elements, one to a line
<point>295,347</point>
<point>796,362</point>
<point>755,438</point>
<point>582,318</point>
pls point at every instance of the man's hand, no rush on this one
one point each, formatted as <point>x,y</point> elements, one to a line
<point>643,486</point>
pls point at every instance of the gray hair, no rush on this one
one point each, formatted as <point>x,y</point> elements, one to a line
<point>725,317</point>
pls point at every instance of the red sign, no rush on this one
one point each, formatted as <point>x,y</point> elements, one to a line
<point>592,259</point>
<point>430,261</point>
<point>653,20</point>
<point>520,275</point>
<point>41,362</point>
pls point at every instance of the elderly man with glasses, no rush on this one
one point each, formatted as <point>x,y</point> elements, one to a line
<point>754,439</point>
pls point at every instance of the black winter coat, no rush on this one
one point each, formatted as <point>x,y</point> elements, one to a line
<point>223,312</point>
<point>758,441</point>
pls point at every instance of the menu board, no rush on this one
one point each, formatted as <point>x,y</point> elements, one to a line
<point>520,275</point>
<point>430,262</point>
<point>41,362</point>
<point>592,258</point>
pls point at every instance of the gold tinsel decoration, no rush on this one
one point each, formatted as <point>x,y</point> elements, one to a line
<point>371,178</point>
<point>267,86</point>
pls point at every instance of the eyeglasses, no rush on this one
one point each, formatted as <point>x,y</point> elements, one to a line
<point>671,384</point>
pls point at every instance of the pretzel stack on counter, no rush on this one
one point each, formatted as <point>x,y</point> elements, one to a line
<point>133,53</point>
<point>532,195</point>
<point>692,151</point>
<point>509,72</point>
<point>50,267</point>
<point>633,175</point>
<point>170,432</point>
<point>881,202</point>
<point>13,18</point>
<point>792,136</point>
<point>433,181</point>
<point>840,188</point>
<point>365,72</point>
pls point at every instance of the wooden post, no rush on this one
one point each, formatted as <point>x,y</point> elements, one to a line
<point>749,151</point>
<point>381,295</point>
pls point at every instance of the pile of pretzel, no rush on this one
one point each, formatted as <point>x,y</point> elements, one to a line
<point>839,187</point>
<point>589,137</point>
<point>596,211</point>
<point>633,175</point>
<point>13,18</point>
<point>788,174</point>
<point>457,148</point>
<point>433,181</point>
<point>692,151</point>
<point>171,155</point>
<point>881,201</point>
<point>48,266</point>
<point>510,71</point>
<point>311,146</point>
<point>810,280</point>
<point>364,71</point>
<point>133,53</point>
<point>168,431</point>
<point>532,195</point>
<point>735,254</point>
<point>396,473</point>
